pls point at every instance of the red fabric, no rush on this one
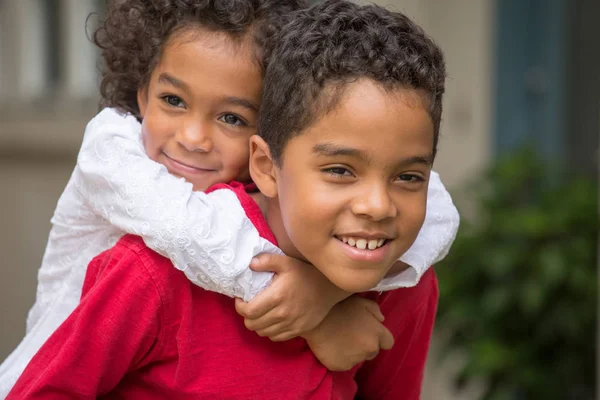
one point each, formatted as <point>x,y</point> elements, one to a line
<point>143,331</point>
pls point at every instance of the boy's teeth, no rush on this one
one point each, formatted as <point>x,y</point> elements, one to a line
<point>363,244</point>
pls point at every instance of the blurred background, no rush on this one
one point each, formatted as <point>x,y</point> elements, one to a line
<point>519,153</point>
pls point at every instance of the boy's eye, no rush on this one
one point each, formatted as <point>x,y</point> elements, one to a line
<point>174,101</point>
<point>338,172</point>
<point>232,119</point>
<point>410,178</point>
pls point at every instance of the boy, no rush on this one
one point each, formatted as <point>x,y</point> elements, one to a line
<point>352,106</point>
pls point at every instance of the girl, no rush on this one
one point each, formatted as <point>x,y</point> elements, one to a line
<point>204,105</point>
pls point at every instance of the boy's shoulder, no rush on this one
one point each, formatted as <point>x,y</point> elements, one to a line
<point>135,245</point>
<point>399,305</point>
<point>134,248</point>
<point>132,260</point>
<point>251,208</point>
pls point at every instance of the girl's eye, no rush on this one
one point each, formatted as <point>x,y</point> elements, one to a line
<point>338,172</point>
<point>173,101</point>
<point>232,119</point>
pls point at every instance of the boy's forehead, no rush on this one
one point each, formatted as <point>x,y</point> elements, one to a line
<point>365,93</point>
<point>365,99</point>
<point>366,112</point>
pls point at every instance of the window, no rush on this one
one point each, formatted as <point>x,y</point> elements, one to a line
<point>52,43</point>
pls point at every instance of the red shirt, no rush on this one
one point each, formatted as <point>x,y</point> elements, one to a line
<point>143,331</point>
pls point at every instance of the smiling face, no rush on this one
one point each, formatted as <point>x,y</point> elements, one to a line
<point>349,195</point>
<point>200,107</point>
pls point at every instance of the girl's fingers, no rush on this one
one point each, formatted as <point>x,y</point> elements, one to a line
<point>266,262</point>
<point>273,331</point>
<point>258,306</point>
<point>373,308</point>
<point>265,322</point>
<point>386,340</point>
<point>287,335</point>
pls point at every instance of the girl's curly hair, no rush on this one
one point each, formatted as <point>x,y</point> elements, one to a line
<point>135,31</point>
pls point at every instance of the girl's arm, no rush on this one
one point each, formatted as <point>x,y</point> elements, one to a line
<point>208,237</point>
<point>115,328</point>
<point>352,333</point>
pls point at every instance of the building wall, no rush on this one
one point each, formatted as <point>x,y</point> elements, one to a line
<point>47,95</point>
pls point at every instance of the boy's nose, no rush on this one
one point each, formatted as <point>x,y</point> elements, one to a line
<point>195,137</point>
<point>374,202</point>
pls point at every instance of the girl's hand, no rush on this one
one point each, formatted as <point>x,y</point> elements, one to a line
<point>296,302</point>
<point>352,333</point>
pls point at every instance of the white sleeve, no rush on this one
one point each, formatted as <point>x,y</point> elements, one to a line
<point>207,236</point>
<point>434,240</point>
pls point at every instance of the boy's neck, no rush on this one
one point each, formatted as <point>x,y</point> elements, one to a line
<point>272,213</point>
<point>261,200</point>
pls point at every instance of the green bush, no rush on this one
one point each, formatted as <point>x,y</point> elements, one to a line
<point>518,289</point>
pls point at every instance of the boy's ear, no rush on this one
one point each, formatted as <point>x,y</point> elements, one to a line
<point>262,167</point>
<point>142,99</point>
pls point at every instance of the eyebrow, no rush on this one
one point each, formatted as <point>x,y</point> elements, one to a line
<point>332,150</point>
<point>238,101</point>
<point>171,80</point>
<point>425,160</point>
<point>167,79</point>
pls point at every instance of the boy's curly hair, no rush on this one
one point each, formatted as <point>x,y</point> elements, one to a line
<point>324,48</point>
<point>135,31</point>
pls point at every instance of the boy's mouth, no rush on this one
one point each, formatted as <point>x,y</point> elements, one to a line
<point>363,243</point>
<point>366,248</point>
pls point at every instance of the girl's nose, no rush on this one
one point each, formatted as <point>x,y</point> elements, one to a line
<point>195,137</point>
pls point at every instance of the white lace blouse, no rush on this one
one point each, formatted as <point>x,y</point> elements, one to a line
<point>116,189</point>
